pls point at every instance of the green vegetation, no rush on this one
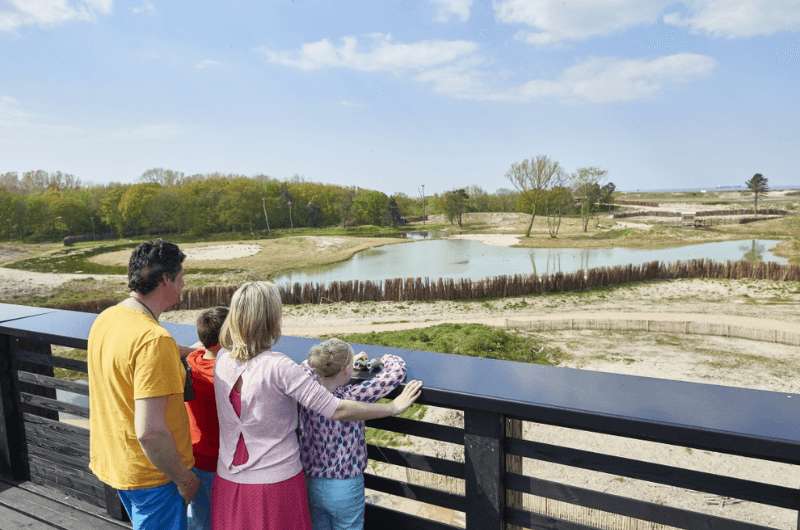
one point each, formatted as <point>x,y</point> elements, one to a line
<point>475,340</point>
<point>74,259</point>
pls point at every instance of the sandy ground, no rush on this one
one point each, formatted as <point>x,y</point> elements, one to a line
<point>707,299</point>
<point>15,282</point>
<point>221,252</point>
<point>496,240</point>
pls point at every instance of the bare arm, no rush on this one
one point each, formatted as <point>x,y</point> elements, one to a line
<point>357,411</point>
<point>158,444</point>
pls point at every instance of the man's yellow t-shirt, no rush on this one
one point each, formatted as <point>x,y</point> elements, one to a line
<point>132,357</point>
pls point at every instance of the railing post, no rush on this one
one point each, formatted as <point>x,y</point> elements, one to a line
<point>485,463</point>
<point>13,451</point>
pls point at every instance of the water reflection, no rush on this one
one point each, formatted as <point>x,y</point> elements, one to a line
<point>455,258</point>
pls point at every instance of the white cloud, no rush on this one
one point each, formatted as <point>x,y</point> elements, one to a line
<point>205,64</point>
<point>145,8</point>
<point>456,69</point>
<point>452,9</point>
<point>379,54</point>
<point>738,18</point>
<point>49,13</point>
<point>600,80</point>
<point>557,21</point>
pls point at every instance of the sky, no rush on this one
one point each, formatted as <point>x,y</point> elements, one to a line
<point>394,94</point>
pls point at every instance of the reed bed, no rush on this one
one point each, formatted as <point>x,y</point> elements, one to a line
<point>422,289</point>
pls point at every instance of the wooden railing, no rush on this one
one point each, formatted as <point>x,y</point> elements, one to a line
<point>481,482</point>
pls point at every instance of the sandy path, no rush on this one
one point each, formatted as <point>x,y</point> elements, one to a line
<point>15,282</point>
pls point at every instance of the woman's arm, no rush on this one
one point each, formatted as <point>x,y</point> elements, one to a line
<point>357,411</point>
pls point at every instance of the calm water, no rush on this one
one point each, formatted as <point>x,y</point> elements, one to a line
<point>454,258</point>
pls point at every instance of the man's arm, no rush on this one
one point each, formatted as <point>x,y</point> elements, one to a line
<point>158,444</point>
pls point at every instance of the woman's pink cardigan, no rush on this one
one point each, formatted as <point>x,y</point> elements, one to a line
<point>272,386</point>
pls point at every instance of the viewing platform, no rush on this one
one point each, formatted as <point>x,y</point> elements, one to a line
<point>486,480</point>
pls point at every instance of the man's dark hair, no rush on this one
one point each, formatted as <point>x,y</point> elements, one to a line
<point>209,323</point>
<point>150,262</point>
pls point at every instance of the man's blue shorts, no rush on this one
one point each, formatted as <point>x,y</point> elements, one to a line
<point>159,508</point>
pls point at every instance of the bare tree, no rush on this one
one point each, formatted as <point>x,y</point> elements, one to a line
<point>532,178</point>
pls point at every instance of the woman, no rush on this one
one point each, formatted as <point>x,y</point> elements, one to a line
<point>260,482</point>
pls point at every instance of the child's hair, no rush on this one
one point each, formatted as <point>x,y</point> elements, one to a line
<point>329,357</point>
<point>209,323</point>
<point>254,322</point>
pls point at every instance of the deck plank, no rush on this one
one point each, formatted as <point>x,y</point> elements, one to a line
<point>38,507</point>
<point>13,520</point>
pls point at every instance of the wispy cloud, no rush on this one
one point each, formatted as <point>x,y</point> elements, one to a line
<point>351,104</point>
<point>456,69</point>
<point>557,21</point>
<point>380,53</point>
<point>599,80</point>
<point>14,118</point>
<point>149,132</point>
<point>145,8</point>
<point>206,64</point>
<point>447,10</point>
<point>50,13</point>
<point>738,18</point>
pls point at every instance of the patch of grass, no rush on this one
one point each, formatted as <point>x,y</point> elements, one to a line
<point>475,340</point>
<point>74,259</point>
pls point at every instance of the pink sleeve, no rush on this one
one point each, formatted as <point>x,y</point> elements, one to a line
<point>298,384</point>
<point>371,390</point>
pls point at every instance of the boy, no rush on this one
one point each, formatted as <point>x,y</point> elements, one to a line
<point>203,414</point>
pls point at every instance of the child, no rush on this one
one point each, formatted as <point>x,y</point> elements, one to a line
<point>203,414</point>
<point>334,453</point>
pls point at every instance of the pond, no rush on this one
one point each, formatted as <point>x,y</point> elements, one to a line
<point>455,258</point>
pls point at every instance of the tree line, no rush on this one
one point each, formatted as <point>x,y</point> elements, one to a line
<point>42,206</point>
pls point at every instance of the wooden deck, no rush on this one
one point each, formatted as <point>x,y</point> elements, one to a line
<point>31,506</point>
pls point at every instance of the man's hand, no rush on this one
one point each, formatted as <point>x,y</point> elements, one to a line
<point>188,486</point>
<point>408,396</point>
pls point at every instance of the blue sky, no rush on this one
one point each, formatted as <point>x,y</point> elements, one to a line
<point>392,94</point>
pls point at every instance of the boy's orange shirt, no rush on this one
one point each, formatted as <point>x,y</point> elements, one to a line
<point>202,411</point>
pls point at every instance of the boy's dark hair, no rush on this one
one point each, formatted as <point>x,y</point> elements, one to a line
<point>209,323</point>
<point>150,261</point>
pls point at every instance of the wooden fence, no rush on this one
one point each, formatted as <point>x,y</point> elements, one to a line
<point>682,327</point>
<point>401,289</point>
<point>427,289</point>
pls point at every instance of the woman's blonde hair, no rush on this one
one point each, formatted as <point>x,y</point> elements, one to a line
<point>329,357</point>
<point>253,324</point>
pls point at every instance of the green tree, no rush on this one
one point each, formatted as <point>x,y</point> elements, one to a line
<point>757,184</point>
<point>455,204</point>
<point>586,188</point>
<point>557,202</point>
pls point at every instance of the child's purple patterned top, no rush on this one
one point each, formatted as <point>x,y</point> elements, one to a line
<point>338,449</point>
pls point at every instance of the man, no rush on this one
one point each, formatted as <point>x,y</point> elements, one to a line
<point>139,439</point>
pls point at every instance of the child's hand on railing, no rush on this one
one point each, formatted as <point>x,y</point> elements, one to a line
<point>407,397</point>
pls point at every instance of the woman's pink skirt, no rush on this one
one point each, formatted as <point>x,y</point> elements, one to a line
<point>279,506</point>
